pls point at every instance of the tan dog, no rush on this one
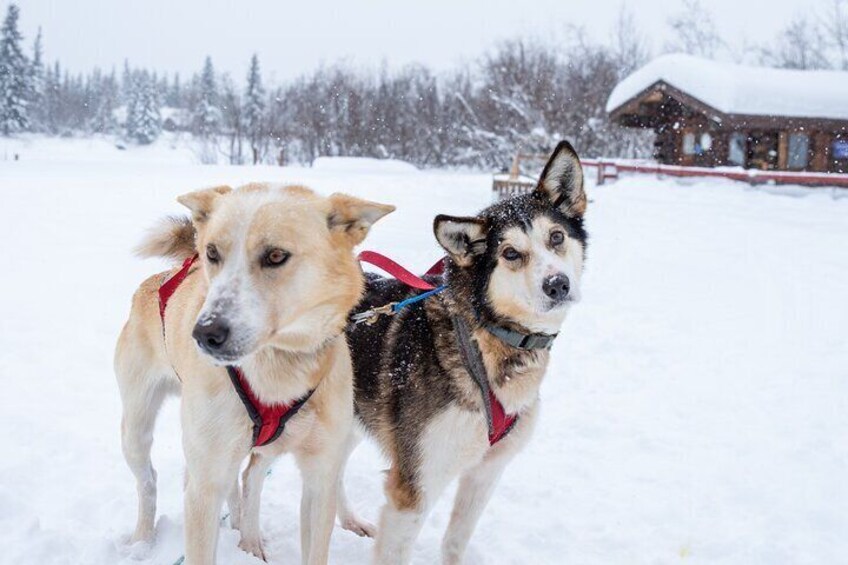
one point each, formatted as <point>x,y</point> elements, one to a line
<point>270,294</point>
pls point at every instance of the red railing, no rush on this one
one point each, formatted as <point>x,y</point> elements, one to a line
<point>609,170</point>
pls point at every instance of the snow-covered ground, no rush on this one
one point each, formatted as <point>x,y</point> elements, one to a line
<point>695,411</point>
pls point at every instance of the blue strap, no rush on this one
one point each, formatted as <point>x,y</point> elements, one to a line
<point>412,300</point>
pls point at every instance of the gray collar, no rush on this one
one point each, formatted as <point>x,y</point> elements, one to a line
<point>521,340</point>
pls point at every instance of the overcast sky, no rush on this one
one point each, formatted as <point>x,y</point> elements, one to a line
<point>294,37</point>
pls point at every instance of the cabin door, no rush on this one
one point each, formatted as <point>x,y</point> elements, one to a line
<point>762,150</point>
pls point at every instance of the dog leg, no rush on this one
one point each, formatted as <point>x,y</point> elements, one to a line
<point>142,395</point>
<point>398,531</point>
<point>253,478</point>
<point>403,515</point>
<point>472,496</point>
<point>318,502</point>
<point>348,519</point>
<point>204,498</point>
<point>401,520</point>
<point>212,467</point>
<point>419,475</point>
<point>234,505</point>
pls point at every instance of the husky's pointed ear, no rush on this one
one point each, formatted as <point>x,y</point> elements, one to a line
<point>202,202</point>
<point>353,216</point>
<point>561,182</point>
<point>462,238</point>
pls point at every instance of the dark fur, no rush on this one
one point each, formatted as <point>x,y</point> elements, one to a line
<point>407,368</point>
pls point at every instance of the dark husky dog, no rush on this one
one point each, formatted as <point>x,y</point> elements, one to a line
<point>433,381</point>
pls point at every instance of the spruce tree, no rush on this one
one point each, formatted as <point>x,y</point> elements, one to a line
<point>130,88</point>
<point>207,115</point>
<point>127,83</point>
<point>37,85</point>
<point>15,77</point>
<point>175,95</point>
<point>52,98</point>
<point>144,122</point>
<point>103,120</point>
<point>254,109</point>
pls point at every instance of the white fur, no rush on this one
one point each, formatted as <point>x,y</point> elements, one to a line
<point>442,461</point>
<point>523,287</point>
<point>455,444</point>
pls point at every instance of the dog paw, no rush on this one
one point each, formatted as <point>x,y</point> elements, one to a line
<point>254,547</point>
<point>136,547</point>
<point>362,528</point>
<point>135,550</point>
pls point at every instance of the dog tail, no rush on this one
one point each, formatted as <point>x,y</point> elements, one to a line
<point>172,238</point>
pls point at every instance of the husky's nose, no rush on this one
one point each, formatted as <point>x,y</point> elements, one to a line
<point>211,336</point>
<point>556,287</point>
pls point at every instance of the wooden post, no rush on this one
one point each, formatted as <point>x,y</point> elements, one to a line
<point>782,151</point>
<point>821,151</point>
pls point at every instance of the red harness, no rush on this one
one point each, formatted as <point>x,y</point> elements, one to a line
<point>269,421</point>
<point>502,423</point>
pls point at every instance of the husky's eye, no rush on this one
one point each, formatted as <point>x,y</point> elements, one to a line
<point>510,254</point>
<point>275,257</point>
<point>557,238</point>
<point>212,254</point>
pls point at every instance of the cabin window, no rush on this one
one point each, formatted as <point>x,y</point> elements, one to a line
<point>839,155</point>
<point>799,151</point>
<point>736,149</point>
<point>706,142</point>
<point>689,143</point>
<point>840,149</point>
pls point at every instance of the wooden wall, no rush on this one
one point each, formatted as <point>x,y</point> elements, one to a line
<point>669,146</point>
<point>820,149</point>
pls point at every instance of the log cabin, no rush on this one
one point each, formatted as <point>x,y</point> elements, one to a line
<point>708,114</point>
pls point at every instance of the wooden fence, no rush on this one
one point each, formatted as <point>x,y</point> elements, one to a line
<point>608,170</point>
<point>509,184</point>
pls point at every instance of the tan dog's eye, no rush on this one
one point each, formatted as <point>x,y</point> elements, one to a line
<point>557,238</point>
<point>275,257</point>
<point>510,254</point>
<point>212,254</point>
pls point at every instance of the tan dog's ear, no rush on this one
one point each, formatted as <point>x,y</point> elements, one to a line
<point>461,237</point>
<point>202,202</point>
<point>561,182</point>
<point>354,216</point>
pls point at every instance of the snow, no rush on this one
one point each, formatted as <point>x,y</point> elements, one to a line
<point>694,411</point>
<point>741,89</point>
<point>359,164</point>
<point>170,149</point>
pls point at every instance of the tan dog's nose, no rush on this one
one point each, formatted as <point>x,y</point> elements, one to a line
<point>212,335</point>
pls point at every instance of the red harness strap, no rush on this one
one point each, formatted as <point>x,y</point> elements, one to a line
<point>268,420</point>
<point>502,423</point>
<point>381,261</point>
<point>170,286</point>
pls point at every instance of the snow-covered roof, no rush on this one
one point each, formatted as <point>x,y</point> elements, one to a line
<point>740,89</point>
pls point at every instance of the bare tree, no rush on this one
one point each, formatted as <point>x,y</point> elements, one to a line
<point>695,31</point>
<point>800,45</point>
<point>627,43</point>
<point>834,23</point>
